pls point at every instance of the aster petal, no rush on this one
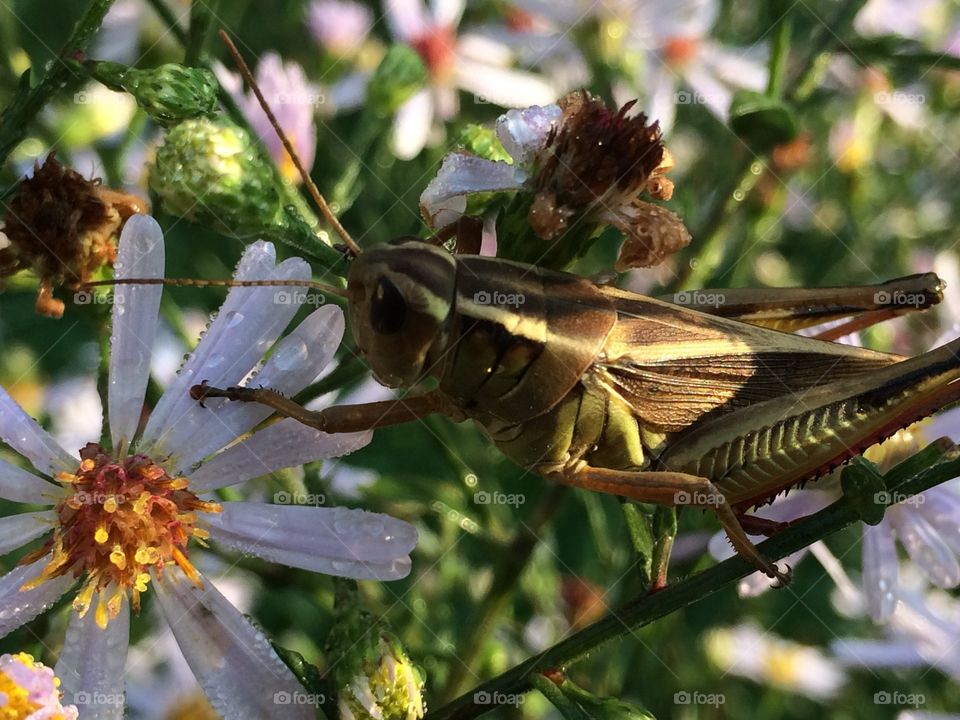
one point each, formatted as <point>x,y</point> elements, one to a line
<point>522,132</point>
<point>295,362</point>
<point>741,67</point>
<point>17,530</point>
<point>234,663</point>
<point>447,12</point>
<point>20,486</point>
<point>283,444</point>
<point>707,90</point>
<point>22,433</point>
<point>411,126</point>
<point>18,607</point>
<point>880,571</point>
<point>661,96</point>
<point>925,547</point>
<point>91,664</point>
<point>941,508</point>
<point>135,319</point>
<point>504,86</point>
<point>338,541</point>
<point>249,320</point>
<point>445,197</point>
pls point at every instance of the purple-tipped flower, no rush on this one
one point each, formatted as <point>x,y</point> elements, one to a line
<point>293,99</point>
<point>340,26</point>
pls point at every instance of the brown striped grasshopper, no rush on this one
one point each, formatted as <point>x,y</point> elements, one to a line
<point>717,404</point>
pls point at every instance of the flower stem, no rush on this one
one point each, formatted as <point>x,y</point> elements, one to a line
<point>564,705</point>
<point>646,608</point>
<point>202,15</point>
<point>28,102</point>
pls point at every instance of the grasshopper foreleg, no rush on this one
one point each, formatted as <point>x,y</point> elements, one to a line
<point>672,488</point>
<point>340,418</point>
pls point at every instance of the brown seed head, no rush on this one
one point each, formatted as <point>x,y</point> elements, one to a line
<point>63,227</point>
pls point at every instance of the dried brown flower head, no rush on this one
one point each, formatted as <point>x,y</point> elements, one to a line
<point>597,162</point>
<point>63,227</point>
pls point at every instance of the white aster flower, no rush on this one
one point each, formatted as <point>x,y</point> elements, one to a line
<point>751,652</point>
<point>122,520</point>
<point>29,690</point>
<point>452,63</point>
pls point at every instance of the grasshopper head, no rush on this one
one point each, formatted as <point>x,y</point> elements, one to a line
<point>399,297</point>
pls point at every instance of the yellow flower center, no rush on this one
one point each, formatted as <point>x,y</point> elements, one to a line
<point>122,519</point>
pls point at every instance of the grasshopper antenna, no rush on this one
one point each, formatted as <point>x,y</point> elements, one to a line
<point>189,282</point>
<point>315,193</point>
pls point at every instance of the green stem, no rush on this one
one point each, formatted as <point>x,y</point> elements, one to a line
<point>169,19</point>
<point>58,76</point>
<point>509,567</point>
<point>647,608</point>
<point>779,54</point>
<point>564,705</point>
<point>202,15</point>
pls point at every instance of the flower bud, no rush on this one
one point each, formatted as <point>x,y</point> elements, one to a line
<point>211,171</point>
<point>373,675</point>
<point>169,93</point>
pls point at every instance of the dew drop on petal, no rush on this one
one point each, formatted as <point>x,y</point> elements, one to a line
<point>234,318</point>
<point>214,361</point>
<point>291,354</point>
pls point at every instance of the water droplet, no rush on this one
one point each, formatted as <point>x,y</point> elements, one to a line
<point>120,308</point>
<point>234,318</point>
<point>216,359</point>
<point>291,354</point>
<point>342,566</point>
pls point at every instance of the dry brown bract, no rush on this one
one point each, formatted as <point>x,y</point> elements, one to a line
<point>63,227</point>
<point>598,162</point>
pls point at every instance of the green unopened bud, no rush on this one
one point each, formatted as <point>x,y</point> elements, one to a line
<point>762,121</point>
<point>169,94</point>
<point>374,677</point>
<point>603,708</point>
<point>211,172</point>
<point>399,75</point>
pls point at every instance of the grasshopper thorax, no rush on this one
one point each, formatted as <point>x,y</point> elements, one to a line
<point>400,297</point>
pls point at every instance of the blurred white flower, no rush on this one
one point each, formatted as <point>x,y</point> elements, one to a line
<point>452,62</point>
<point>751,652</point>
<point>119,34</point>
<point>123,520</point>
<point>917,19</point>
<point>29,690</point>
<point>293,99</point>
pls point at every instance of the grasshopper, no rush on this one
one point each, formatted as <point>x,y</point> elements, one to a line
<point>607,390</point>
<point>719,406</point>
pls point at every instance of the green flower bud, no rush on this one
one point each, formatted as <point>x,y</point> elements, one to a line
<point>211,172</point>
<point>373,676</point>
<point>399,75</point>
<point>169,94</point>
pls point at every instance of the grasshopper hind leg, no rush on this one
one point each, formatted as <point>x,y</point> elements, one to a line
<point>672,489</point>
